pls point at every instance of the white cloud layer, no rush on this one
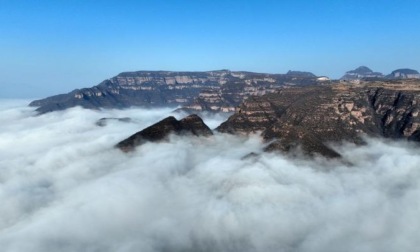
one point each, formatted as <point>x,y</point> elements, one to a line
<point>63,187</point>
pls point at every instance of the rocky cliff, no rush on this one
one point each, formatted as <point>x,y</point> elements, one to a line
<point>313,117</point>
<point>214,90</point>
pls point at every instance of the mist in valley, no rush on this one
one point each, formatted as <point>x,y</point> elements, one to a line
<point>64,187</point>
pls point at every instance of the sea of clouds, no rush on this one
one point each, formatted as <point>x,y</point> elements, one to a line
<point>64,187</point>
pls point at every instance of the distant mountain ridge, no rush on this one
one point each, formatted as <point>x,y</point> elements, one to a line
<point>404,73</point>
<point>361,73</point>
<point>220,90</point>
<point>364,72</point>
<point>301,74</point>
<point>217,91</point>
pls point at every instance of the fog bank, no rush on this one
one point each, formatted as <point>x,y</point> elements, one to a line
<point>63,187</point>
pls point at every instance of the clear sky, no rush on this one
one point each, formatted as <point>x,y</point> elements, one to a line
<point>50,47</point>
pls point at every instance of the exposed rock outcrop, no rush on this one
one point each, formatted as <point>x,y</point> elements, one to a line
<point>212,91</point>
<point>313,117</point>
<point>159,131</point>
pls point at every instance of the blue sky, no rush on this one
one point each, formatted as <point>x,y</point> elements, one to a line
<point>50,47</point>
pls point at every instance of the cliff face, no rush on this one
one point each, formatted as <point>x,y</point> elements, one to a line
<point>215,90</point>
<point>312,117</point>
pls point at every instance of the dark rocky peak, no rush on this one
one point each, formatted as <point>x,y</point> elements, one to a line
<point>301,74</point>
<point>190,125</point>
<point>404,73</point>
<point>195,125</point>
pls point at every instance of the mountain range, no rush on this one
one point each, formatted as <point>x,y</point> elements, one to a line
<point>364,72</point>
<point>311,119</point>
<point>217,91</point>
<point>292,111</point>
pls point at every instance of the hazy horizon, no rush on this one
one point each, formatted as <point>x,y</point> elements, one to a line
<point>52,47</point>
